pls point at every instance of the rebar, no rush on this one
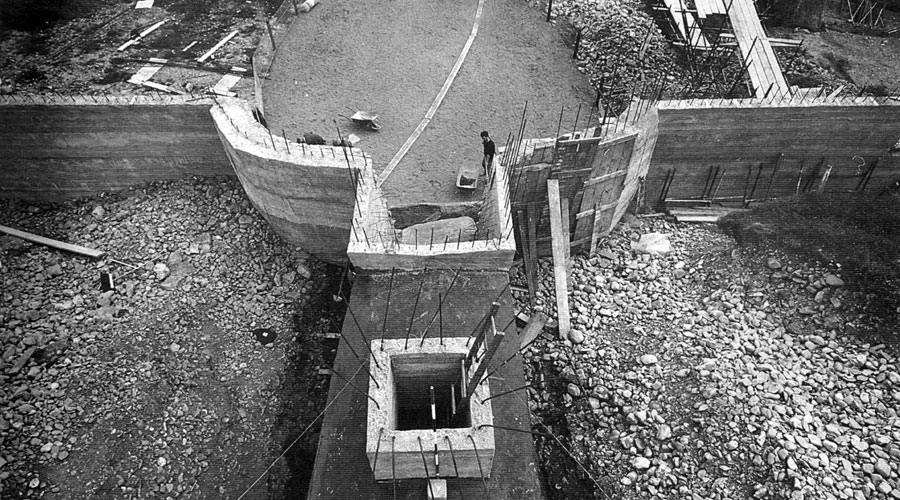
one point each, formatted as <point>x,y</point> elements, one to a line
<point>480,470</point>
<point>425,464</point>
<point>412,316</point>
<point>377,447</point>
<point>353,351</point>
<point>361,334</point>
<point>452,455</point>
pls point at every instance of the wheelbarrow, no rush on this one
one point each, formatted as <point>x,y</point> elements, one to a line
<point>363,119</point>
<point>467,178</point>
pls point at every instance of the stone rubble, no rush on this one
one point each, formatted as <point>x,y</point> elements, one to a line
<point>156,389</point>
<point>717,372</point>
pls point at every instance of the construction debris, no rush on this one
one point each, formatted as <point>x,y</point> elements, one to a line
<point>217,46</point>
<point>143,35</point>
<point>69,247</point>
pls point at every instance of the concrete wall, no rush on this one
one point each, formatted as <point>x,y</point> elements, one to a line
<point>54,148</point>
<point>373,245</point>
<point>642,155</point>
<point>697,135</point>
<point>306,193</point>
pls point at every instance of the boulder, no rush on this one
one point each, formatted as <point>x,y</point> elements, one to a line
<point>653,244</point>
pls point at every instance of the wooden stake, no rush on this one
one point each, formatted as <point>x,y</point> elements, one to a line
<point>560,242</point>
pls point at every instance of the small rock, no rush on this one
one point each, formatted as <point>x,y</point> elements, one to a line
<point>648,359</point>
<point>641,463</point>
<point>98,212</point>
<point>161,461</point>
<point>773,263</point>
<point>664,432</point>
<point>161,270</point>
<point>304,271</point>
<point>574,390</point>
<point>653,244</point>
<point>832,280</point>
<point>576,336</point>
<point>883,468</point>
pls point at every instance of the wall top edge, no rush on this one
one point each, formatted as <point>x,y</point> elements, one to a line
<point>102,100</point>
<point>777,102</point>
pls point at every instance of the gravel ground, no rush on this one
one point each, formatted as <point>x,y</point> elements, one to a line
<point>159,388</point>
<point>715,372</point>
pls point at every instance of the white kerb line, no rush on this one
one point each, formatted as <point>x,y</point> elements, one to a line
<point>217,46</point>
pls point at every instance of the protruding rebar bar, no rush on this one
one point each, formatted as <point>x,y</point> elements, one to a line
<point>425,464</point>
<point>394,464</point>
<point>361,334</point>
<point>386,306</point>
<point>377,447</point>
<point>412,317</point>
<point>353,351</point>
<point>452,455</point>
<point>351,384</point>
<point>480,470</point>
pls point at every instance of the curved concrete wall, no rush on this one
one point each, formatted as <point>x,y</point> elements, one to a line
<point>306,193</point>
<point>55,147</point>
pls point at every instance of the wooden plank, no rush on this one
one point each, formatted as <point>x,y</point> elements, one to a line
<point>489,352</point>
<point>611,175</point>
<point>61,245</point>
<point>164,88</point>
<point>567,232</point>
<point>530,250</point>
<point>217,46</point>
<point>560,271</point>
<point>223,86</point>
<point>147,72</point>
<point>533,329</point>
<point>143,34</point>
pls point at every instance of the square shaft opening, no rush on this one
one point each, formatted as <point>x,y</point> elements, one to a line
<point>414,377</point>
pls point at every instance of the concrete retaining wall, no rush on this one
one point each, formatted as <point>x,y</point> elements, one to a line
<point>741,138</point>
<point>54,148</point>
<point>375,247</point>
<point>306,193</point>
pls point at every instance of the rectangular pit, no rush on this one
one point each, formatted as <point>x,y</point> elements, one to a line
<point>400,428</point>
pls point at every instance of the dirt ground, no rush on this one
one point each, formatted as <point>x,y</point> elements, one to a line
<point>394,65</point>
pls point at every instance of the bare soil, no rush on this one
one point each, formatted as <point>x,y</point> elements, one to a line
<point>393,60</point>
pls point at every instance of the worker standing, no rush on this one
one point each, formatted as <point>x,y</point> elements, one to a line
<point>489,151</point>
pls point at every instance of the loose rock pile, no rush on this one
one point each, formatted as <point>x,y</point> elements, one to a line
<point>156,388</point>
<point>715,372</point>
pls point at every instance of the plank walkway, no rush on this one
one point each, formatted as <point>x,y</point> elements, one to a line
<point>763,68</point>
<point>686,24</point>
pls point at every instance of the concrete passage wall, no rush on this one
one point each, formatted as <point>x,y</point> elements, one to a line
<point>54,148</point>
<point>306,193</point>
<point>746,140</point>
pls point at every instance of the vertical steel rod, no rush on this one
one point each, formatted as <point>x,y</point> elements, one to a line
<point>412,316</point>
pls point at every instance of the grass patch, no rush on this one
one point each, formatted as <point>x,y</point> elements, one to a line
<point>859,232</point>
